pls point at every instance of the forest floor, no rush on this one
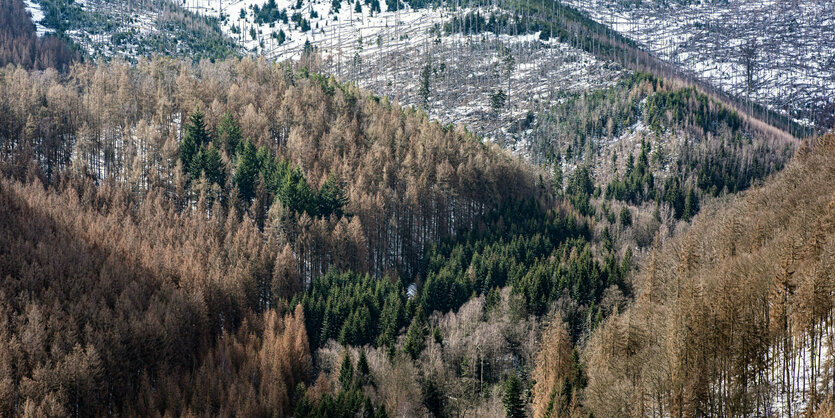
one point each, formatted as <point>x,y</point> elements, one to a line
<point>801,363</point>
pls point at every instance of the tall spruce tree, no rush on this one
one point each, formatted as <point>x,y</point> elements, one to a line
<point>513,405</point>
<point>296,193</point>
<point>424,84</point>
<point>195,137</point>
<point>213,166</point>
<point>363,369</point>
<point>247,172</point>
<point>416,335</point>
<point>346,371</point>
<point>228,135</point>
<point>691,205</point>
<point>195,166</point>
<point>332,197</point>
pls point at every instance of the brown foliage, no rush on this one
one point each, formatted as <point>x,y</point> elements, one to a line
<point>553,366</point>
<point>167,295</point>
<point>20,44</point>
<point>734,316</point>
<point>103,307</point>
<point>409,182</point>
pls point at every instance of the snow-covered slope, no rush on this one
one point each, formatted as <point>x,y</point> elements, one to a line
<point>381,45</point>
<point>775,52</point>
<point>130,29</point>
<point>801,362</point>
<point>334,31</point>
<point>387,51</point>
<point>37,14</point>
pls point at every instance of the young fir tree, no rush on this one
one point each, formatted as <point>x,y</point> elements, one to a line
<point>512,399</point>
<point>625,217</point>
<point>416,335</point>
<point>247,173</point>
<point>497,100</point>
<point>424,84</point>
<point>195,137</point>
<point>331,197</point>
<point>213,166</point>
<point>346,371</point>
<point>228,135</point>
<point>363,369</point>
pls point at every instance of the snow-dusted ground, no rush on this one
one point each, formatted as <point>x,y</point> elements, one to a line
<point>37,14</point>
<point>334,33</point>
<point>130,28</point>
<point>386,51</point>
<point>777,52</point>
<point>801,364</point>
<point>475,67</point>
<point>383,51</point>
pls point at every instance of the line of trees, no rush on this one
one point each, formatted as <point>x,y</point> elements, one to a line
<point>734,316</point>
<point>20,44</point>
<point>689,147</point>
<point>189,205</point>
<point>403,194</point>
<point>232,221</point>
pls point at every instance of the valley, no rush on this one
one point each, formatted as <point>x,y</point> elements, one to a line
<point>416,208</point>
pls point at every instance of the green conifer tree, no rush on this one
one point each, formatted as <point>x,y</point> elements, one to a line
<point>416,335</point>
<point>213,166</point>
<point>331,197</point>
<point>228,135</point>
<point>346,371</point>
<point>194,138</point>
<point>512,399</point>
<point>247,173</point>
<point>691,205</point>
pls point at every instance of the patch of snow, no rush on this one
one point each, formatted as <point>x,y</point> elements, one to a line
<point>37,14</point>
<point>385,52</point>
<point>778,53</point>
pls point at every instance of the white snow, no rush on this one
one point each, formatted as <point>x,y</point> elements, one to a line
<point>386,51</point>
<point>790,45</point>
<point>801,371</point>
<point>37,14</point>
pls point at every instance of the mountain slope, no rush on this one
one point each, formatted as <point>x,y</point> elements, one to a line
<point>22,43</point>
<point>259,239</point>
<point>132,29</point>
<point>734,315</point>
<point>159,219</point>
<point>774,53</point>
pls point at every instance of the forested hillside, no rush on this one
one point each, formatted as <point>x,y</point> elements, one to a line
<point>207,238</point>
<point>777,54</point>
<point>248,238</point>
<point>654,146</point>
<point>129,29</point>
<point>733,317</point>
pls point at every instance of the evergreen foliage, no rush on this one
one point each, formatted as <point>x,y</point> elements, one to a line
<point>354,309</point>
<point>331,197</point>
<point>228,135</point>
<point>414,229</point>
<point>247,172</point>
<point>416,335</point>
<point>514,406</point>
